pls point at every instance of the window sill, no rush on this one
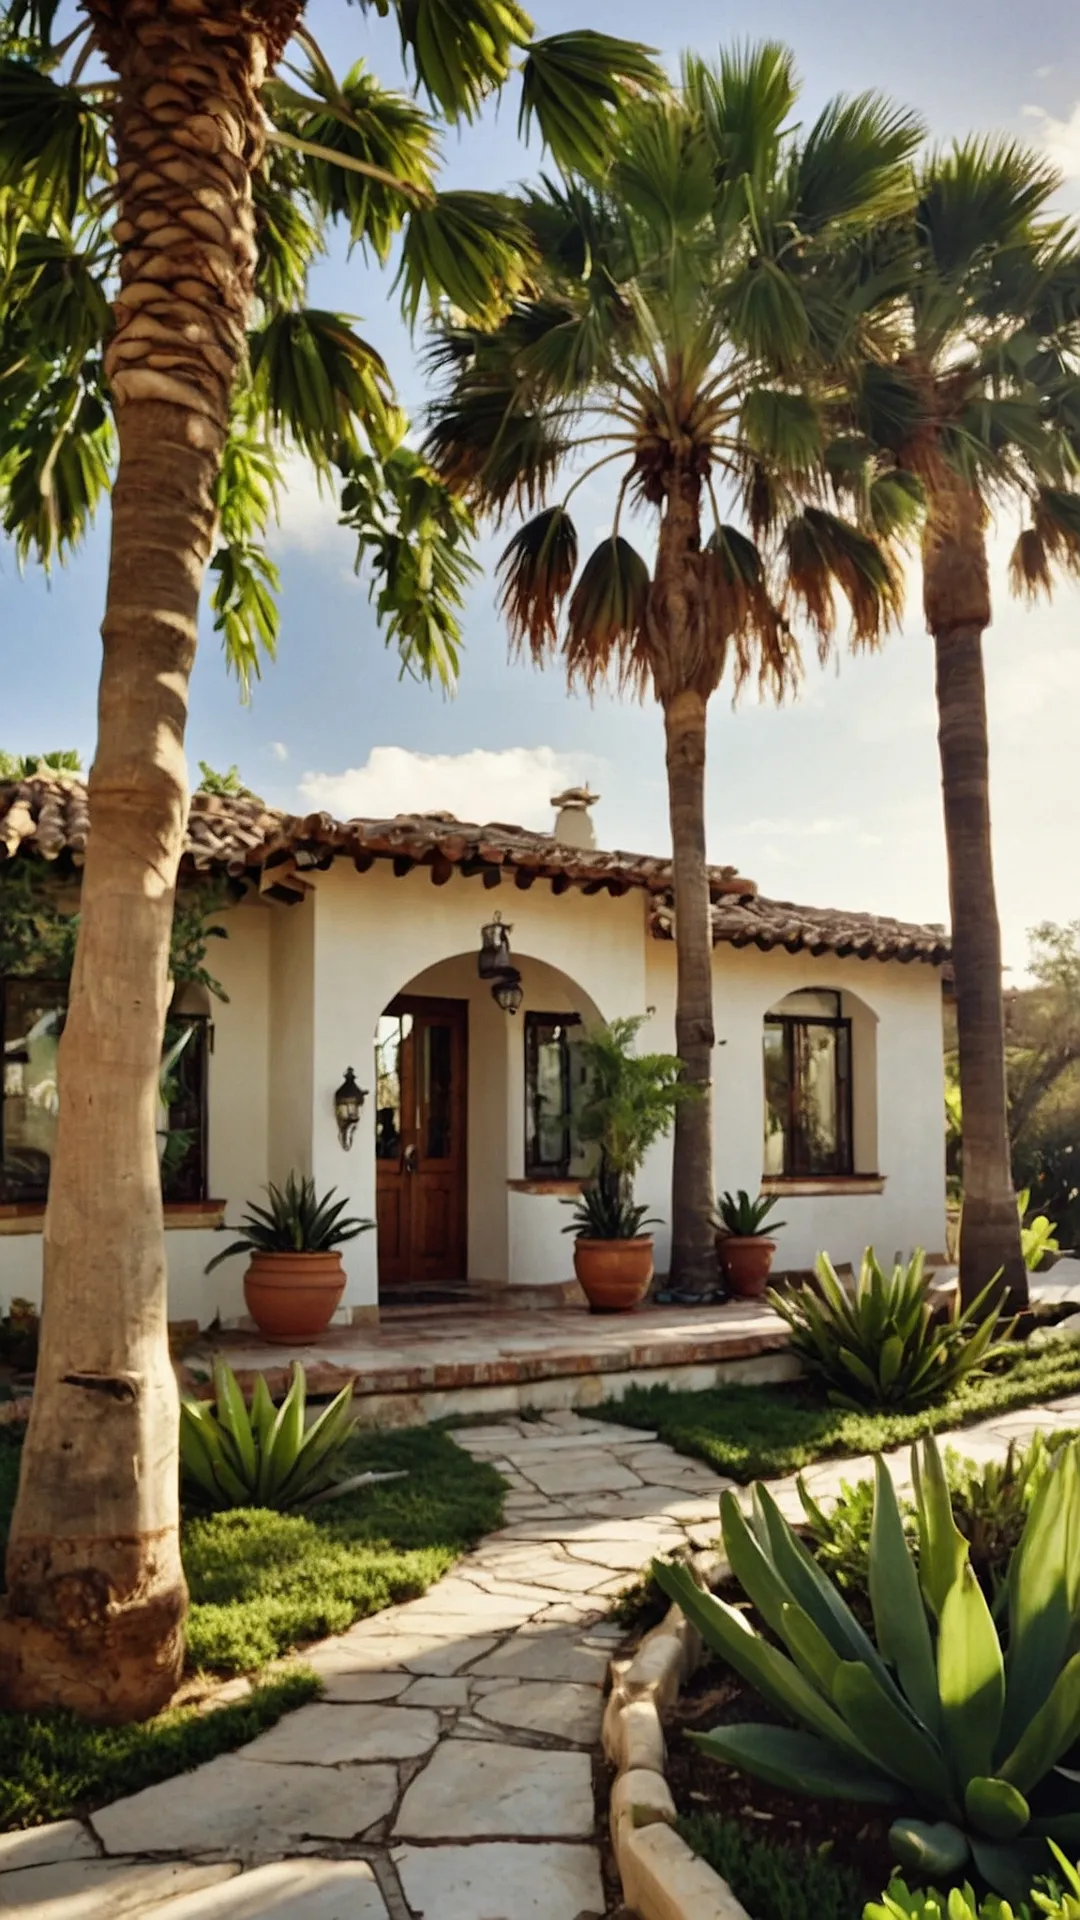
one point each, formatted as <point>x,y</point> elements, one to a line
<point>569,1187</point>
<point>799,1186</point>
<point>20,1217</point>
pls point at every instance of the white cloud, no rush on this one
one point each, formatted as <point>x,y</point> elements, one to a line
<point>1061,138</point>
<point>279,750</point>
<point>513,785</point>
<point>308,512</point>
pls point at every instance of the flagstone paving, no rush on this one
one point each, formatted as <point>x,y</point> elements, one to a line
<point>446,1774</point>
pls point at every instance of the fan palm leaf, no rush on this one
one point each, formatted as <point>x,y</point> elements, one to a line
<point>470,249</point>
<point>315,378</point>
<point>536,571</point>
<point>575,85</point>
<point>606,618</point>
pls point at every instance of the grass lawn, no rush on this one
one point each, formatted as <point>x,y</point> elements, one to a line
<point>260,1584</point>
<point>756,1433</point>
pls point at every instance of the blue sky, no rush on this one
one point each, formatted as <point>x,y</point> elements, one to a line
<point>833,800</point>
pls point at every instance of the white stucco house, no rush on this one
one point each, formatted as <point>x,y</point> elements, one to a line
<point>355,944</point>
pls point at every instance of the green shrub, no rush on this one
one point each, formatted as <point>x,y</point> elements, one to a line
<point>297,1220</point>
<point>934,1719</point>
<point>883,1347</point>
<point>989,1502</point>
<point>772,1882</point>
<point>960,1903</point>
<point>263,1456</point>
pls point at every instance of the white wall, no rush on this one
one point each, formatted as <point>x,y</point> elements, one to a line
<point>375,937</point>
<point>898,1126</point>
<point>308,983</point>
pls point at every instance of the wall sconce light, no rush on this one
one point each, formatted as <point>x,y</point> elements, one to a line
<point>494,956</point>
<point>495,963</point>
<point>348,1102</point>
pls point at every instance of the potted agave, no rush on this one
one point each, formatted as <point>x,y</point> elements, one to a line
<point>743,1242</point>
<point>295,1279</point>
<point>629,1103</point>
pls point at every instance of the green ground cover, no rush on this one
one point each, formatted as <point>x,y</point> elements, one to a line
<point>755,1433</point>
<point>260,1583</point>
<point>770,1879</point>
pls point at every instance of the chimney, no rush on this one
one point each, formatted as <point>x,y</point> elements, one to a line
<point>573,822</point>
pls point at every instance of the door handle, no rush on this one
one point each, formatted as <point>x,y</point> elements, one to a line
<point>410,1160</point>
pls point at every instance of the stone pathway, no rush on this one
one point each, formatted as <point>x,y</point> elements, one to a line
<point>447,1773</point>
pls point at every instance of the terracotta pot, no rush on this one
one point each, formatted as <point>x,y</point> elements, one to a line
<point>614,1275</point>
<point>292,1296</point>
<point>746,1260</point>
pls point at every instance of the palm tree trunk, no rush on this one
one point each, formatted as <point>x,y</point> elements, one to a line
<point>680,657</point>
<point>956,594</point>
<point>693,1249</point>
<point>94,1613</point>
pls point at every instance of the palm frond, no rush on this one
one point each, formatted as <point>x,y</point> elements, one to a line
<point>369,126</point>
<point>743,104</point>
<point>460,50</point>
<point>663,173</point>
<point>246,582</point>
<point>606,618</point>
<point>472,250</point>
<point>854,164</point>
<point>1051,542</point>
<point>413,537</point>
<point>823,552</point>
<point>745,623</point>
<point>782,428</point>
<point>52,141</point>
<point>575,86</point>
<point>288,232</point>
<point>318,383</point>
<point>56,466</point>
<point>896,502</point>
<point>484,436</point>
<point>977,197</point>
<point>536,570</point>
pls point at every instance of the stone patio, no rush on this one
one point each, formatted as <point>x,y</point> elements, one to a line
<point>419,1364</point>
<point>447,1772</point>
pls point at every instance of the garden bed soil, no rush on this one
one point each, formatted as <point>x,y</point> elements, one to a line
<point>853,1836</point>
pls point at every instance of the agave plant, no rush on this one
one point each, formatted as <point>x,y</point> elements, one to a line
<point>603,1213</point>
<point>296,1221</point>
<point>1058,1898</point>
<point>738,1214</point>
<point>884,1348</point>
<point>937,1719</point>
<point>233,1455</point>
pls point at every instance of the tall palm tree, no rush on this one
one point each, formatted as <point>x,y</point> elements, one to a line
<point>693,303</point>
<point>980,404</point>
<point>165,181</point>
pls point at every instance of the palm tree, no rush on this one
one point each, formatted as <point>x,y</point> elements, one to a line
<point>163,189</point>
<point>693,302</point>
<point>979,404</point>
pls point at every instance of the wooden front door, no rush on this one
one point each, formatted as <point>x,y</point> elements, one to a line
<point>421,1053</point>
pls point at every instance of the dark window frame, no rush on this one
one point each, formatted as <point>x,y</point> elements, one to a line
<point>36,1194</point>
<point>536,1020</point>
<point>796,1165</point>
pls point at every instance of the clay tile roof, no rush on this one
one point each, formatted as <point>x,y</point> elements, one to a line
<point>757,922</point>
<point>241,836</point>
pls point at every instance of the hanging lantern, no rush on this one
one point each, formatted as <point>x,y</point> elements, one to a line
<point>348,1102</point>
<point>508,992</point>
<point>494,957</point>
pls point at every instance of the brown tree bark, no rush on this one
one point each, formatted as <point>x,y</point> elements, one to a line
<point>957,601</point>
<point>93,1618</point>
<point>681,670</point>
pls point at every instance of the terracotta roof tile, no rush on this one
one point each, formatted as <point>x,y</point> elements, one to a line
<point>242,836</point>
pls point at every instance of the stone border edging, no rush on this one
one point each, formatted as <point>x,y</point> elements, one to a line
<point>662,1878</point>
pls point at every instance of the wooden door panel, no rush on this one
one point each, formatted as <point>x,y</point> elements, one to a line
<point>421,1068</point>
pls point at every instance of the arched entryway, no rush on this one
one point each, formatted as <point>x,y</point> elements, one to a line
<point>467,1102</point>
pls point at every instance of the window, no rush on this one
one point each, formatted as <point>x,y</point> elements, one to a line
<point>549,1144</point>
<point>32,1014</point>
<point>807,1087</point>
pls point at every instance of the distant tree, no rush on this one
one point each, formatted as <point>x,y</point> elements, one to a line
<point>227,784</point>
<point>23,766</point>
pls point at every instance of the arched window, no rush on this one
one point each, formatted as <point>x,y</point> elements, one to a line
<point>808,1103</point>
